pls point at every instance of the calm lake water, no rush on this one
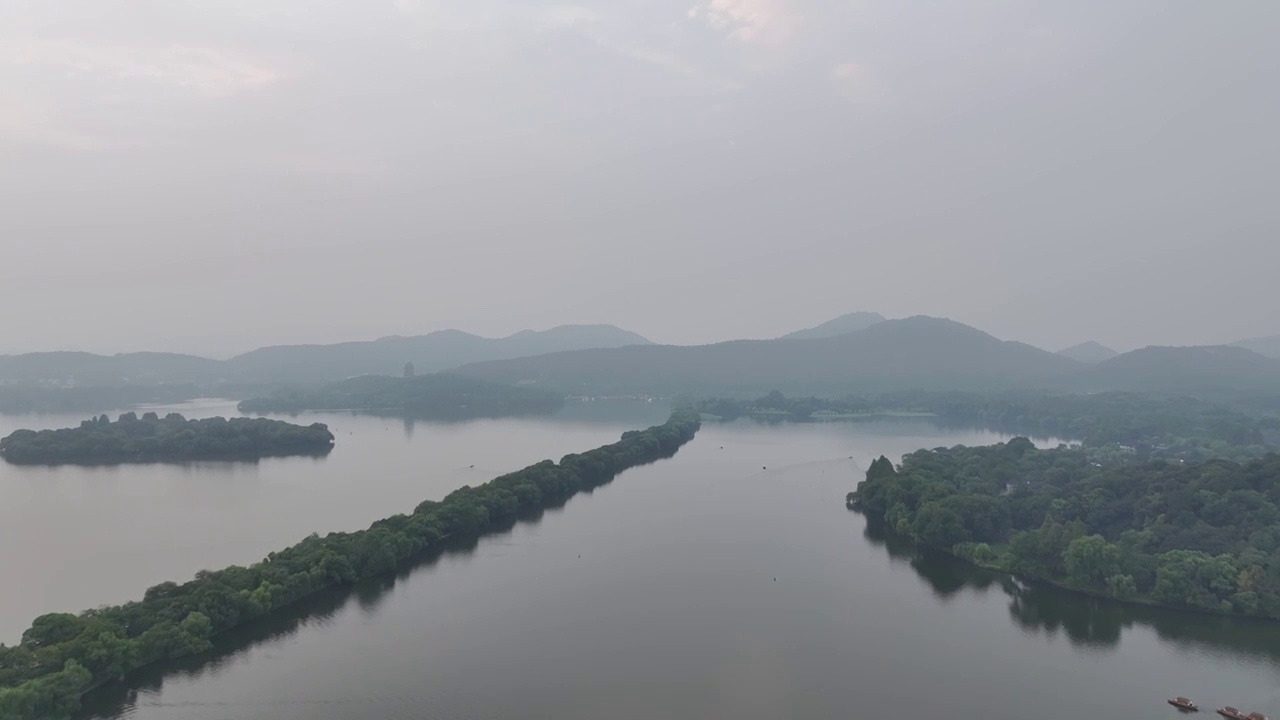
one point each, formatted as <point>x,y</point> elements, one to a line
<point>704,586</point>
<point>78,537</point>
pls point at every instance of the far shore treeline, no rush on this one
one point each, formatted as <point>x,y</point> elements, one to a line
<point>20,399</point>
<point>63,655</point>
<point>440,395</point>
<point>171,438</point>
<point>1137,426</point>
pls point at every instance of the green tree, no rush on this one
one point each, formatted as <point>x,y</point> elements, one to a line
<point>1121,586</point>
<point>52,629</point>
<point>938,526</point>
<point>1090,561</point>
<point>1195,579</point>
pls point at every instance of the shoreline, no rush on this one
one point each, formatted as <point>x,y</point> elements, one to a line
<point>1087,592</point>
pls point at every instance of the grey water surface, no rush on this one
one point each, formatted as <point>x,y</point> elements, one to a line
<point>729,581</point>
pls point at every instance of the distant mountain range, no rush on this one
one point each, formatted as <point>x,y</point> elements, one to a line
<point>917,352</point>
<point>1186,369</point>
<point>429,353</point>
<point>921,352</point>
<point>306,363</point>
<point>88,369</point>
<point>843,325</point>
<point>1269,346</point>
<point>1089,352</point>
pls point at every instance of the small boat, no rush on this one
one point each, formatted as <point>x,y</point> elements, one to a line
<point>1231,713</point>
<point>1184,704</point>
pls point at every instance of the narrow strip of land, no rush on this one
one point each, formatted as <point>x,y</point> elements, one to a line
<point>63,655</point>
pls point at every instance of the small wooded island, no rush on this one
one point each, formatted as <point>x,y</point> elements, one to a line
<point>440,395</point>
<point>151,438</point>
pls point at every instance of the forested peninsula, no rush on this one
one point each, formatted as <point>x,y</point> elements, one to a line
<point>1197,535</point>
<point>173,438</point>
<point>440,395</point>
<point>62,655</point>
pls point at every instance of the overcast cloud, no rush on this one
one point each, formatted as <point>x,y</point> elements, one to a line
<point>211,176</point>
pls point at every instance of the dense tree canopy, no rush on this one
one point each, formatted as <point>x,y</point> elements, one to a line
<point>61,655</point>
<point>173,437</point>
<point>1202,535</point>
<point>440,395</point>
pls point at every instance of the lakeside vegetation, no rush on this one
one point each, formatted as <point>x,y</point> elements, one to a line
<point>441,395</point>
<point>1196,535</point>
<point>63,655</point>
<point>151,438</point>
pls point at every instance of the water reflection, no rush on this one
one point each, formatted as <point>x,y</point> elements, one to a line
<point>1087,622</point>
<point>876,532</point>
<point>119,699</point>
<point>107,533</point>
<point>116,700</point>
<point>945,577</point>
<point>221,464</point>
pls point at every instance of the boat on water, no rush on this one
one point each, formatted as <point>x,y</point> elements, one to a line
<point>1234,714</point>
<point>1184,704</point>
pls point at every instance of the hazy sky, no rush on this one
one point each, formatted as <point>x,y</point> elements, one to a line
<point>211,176</point>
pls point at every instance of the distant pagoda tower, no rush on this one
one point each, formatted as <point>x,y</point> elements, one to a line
<point>408,369</point>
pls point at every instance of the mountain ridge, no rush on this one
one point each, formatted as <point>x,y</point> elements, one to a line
<point>1089,351</point>
<point>1268,345</point>
<point>847,323</point>
<point>919,351</point>
<point>1186,368</point>
<point>437,350</point>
